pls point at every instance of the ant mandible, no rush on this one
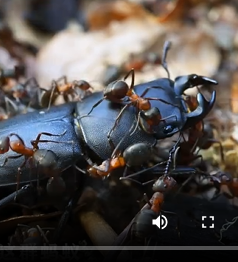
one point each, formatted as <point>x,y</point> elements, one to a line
<point>42,157</point>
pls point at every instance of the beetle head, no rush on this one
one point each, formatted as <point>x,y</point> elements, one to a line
<point>181,83</point>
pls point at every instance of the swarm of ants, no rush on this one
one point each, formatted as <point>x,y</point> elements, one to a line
<point>113,202</point>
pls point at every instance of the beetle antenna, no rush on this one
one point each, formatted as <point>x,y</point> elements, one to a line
<point>167,46</point>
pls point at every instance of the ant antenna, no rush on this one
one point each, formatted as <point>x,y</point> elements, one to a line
<point>167,46</point>
<point>171,152</point>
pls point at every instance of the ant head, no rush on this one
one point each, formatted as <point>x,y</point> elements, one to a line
<point>148,118</point>
<point>163,184</point>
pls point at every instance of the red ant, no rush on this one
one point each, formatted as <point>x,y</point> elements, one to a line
<point>141,226</point>
<point>133,156</point>
<point>43,157</point>
<point>138,63</point>
<point>66,89</point>
<point>229,181</point>
<point>26,235</point>
<point>119,90</point>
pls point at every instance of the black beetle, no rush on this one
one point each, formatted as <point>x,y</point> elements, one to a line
<point>90,133</point>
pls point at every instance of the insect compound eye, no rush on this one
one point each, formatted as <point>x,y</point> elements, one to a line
<point>168,129</point>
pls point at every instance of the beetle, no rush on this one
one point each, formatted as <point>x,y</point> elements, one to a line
<point>90,133</point>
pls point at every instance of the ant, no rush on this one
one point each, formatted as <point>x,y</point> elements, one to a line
<point>43,157</point>
<point>166,169</point>
<point>141,226</point>
<point>66,89</point>
<point>138,63</point>
<point>118,91</point>
<point>26,235</point>
<point>133,156</point>
<point>229,181</point>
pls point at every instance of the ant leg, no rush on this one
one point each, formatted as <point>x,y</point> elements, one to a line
<point>54,85</point>
<point>146,198</point>
<point>95,105</point>
<point>167,46</point>
<point>185,183</point>
<point>19,173</point>
<point>37,140</point>
<point>73,92</point>
<point>14,134</point>
<point>33,142</point>
<point>10,157</point>
<point>62,78</point>
<point>148,88</point>
<point>33,80</point>
<point>178,220</point>
<point>115,124</point>
<point>130,179</point>
<point>137,123</point>
<point>144,170</point>
<point>49,134</point>
<point>42,234</point>
<point>9,102</point>
<point>132,72</point>
<point>161,100</point>
<point>133,75</point>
